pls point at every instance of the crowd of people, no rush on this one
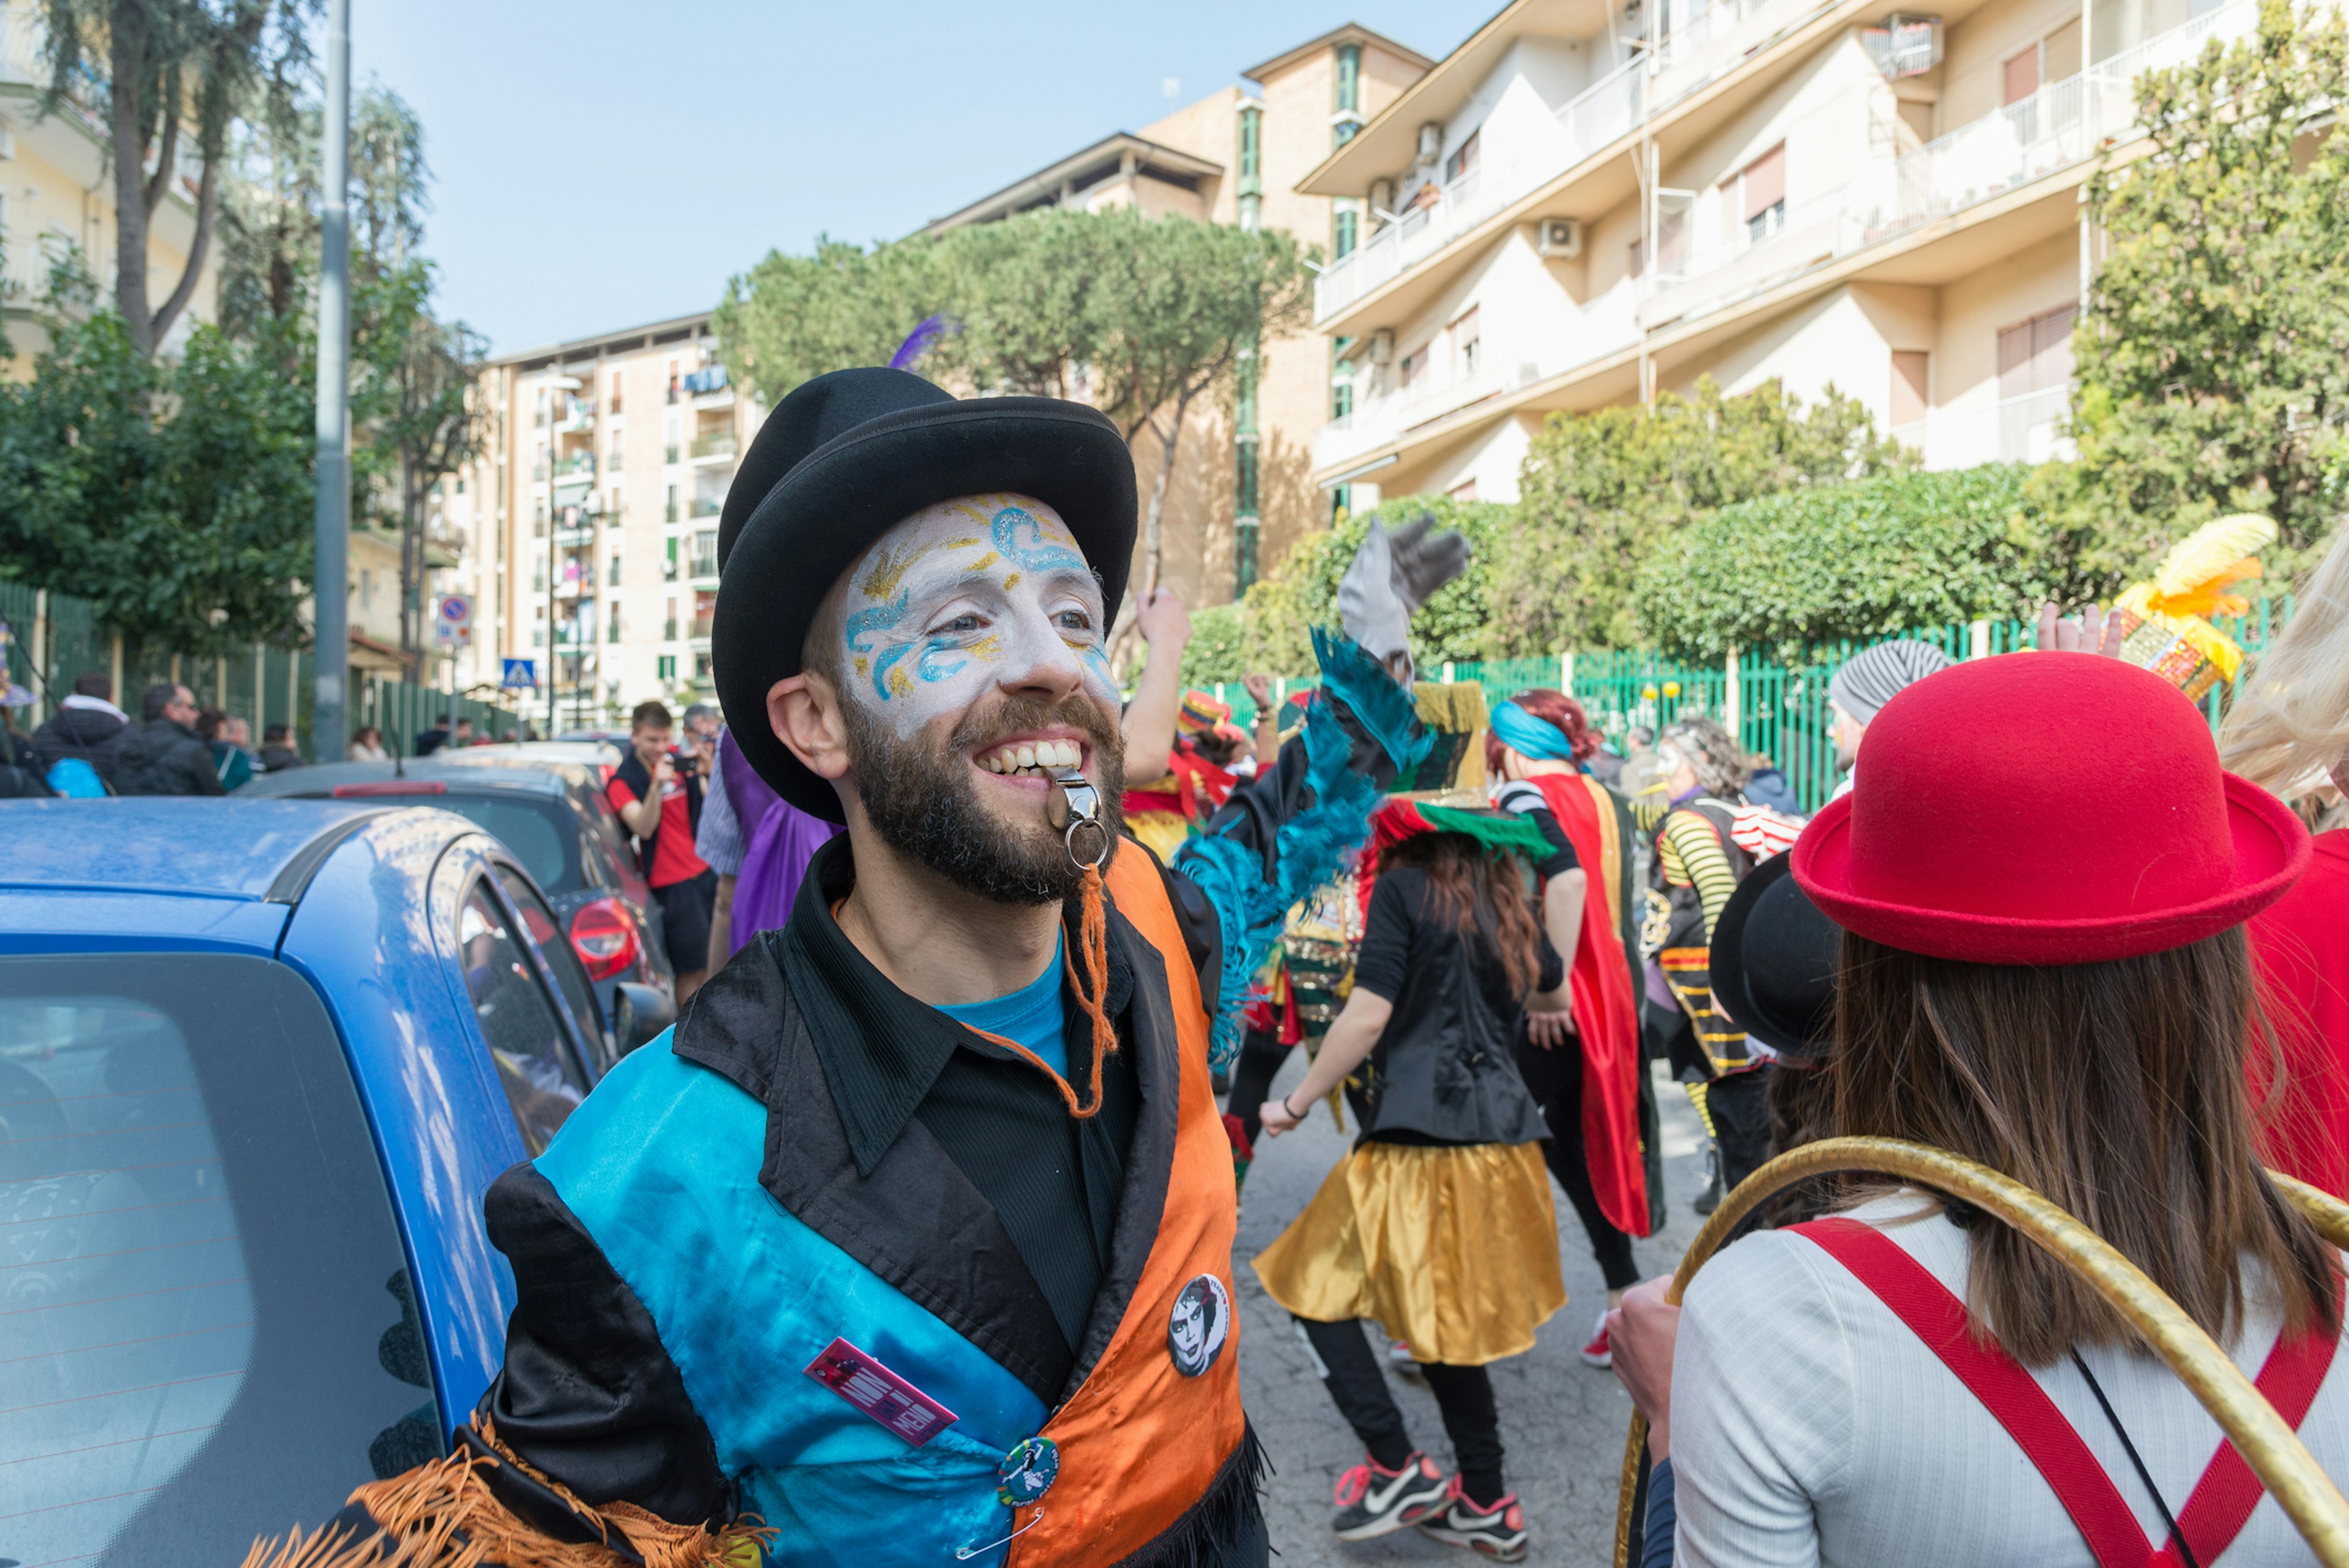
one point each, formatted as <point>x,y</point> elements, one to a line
<point>90,748</point>
<point>913,1241</point>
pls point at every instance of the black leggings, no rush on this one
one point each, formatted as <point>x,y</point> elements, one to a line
<point>1464,1394</point>
<point>1554,1078</point>
<point>1258,1063</point>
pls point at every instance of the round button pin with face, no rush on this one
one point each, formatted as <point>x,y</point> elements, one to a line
<point>1199,1324</point>
<point>1028,1472</point>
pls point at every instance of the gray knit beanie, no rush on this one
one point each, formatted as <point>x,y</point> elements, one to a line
<point>1874,676</point>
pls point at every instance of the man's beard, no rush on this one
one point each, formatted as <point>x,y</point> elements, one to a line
<point>923,799</point>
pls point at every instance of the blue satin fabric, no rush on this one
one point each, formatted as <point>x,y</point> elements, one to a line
<point>661,1165</point>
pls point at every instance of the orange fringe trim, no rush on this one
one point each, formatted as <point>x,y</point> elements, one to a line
<point>442,1515</point>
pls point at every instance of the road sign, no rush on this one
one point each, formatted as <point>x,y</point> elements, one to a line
<point>521,675</point>
<point>452,623</point>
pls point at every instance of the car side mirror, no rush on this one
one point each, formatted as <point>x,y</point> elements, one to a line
<point>639,1013</point>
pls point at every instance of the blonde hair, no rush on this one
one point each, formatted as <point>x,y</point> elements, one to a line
<point>2289,726</point>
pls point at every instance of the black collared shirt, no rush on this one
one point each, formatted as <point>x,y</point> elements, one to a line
<point>1053,1179</point>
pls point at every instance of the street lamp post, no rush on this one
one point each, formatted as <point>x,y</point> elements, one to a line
<point>331,516</point>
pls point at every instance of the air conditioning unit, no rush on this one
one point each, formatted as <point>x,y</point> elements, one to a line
<point>1559,239</point>
<point>1431,141</point>
<point>1905,46</point>
<point>1382,346</point>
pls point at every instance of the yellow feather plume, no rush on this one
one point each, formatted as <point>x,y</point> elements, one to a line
<point>2212,550</point>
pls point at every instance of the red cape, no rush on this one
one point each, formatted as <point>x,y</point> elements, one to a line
<point>1606,1012</point>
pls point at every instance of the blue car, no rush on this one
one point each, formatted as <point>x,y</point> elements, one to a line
<point>259,1062</point>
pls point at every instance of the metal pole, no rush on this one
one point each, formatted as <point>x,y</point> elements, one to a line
<point>330,718</point>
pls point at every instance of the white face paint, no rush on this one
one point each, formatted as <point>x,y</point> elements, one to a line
<point>968,596</point>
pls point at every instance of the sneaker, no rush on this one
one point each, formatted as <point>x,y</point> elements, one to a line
<point>1597,1353</point>
<point>1373,1501</point>
<point>1496,1530</point>
<point>1403,1363</point>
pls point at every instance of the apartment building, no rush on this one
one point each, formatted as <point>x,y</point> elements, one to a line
<point>56,196</point>
<point>1586,204</point>
<point>586,534</point>
<point>1242,490</point>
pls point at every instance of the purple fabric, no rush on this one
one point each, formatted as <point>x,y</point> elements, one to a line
<point>778,839</point>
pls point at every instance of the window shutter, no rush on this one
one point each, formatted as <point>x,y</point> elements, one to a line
<point>2051,348</point>
<point>1765,182</point>
<point>2022,76</point>
<point>2014,360</point>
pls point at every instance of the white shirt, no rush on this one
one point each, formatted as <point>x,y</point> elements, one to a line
<point>1811,1427</point>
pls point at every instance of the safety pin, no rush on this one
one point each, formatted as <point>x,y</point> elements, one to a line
<point>964,1554</point>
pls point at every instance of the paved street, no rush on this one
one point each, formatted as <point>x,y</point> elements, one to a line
<point>1563,1422</point>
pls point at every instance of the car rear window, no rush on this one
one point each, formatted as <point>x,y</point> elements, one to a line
<point>539,833</point>
<point>205,1309</point>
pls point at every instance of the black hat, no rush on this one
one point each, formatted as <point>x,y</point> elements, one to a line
<point>1774,961</point>
<point>846,458</point>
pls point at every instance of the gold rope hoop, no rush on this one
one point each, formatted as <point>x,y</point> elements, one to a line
<point>2268,1444</point>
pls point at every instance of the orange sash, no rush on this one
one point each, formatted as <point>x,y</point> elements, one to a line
<point>1139,1442</point>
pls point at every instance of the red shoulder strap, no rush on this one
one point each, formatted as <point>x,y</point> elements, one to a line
<point>2222,1501</point>
<point>2005,1389</point>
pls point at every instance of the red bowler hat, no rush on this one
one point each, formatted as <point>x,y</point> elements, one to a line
<point>2045,808</point>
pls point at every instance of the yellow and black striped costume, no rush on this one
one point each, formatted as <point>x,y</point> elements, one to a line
<point>1696,866</point>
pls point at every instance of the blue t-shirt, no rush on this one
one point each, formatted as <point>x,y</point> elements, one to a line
<point>1031,1015</point>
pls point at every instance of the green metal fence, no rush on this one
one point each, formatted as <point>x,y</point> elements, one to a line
<point>52,638</point>
<point>1781,708</point>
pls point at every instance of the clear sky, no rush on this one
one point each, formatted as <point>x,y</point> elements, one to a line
<point>600,164</point>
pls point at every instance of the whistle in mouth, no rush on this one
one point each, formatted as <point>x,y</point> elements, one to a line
<point>1073,806</point>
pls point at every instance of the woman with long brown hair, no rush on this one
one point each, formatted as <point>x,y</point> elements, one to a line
<point>1438,1224</point>
<point>2041,878</point>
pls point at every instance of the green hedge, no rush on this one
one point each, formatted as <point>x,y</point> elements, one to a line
<point>1865,559</point>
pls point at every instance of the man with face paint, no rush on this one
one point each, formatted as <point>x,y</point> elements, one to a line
<point>911,1243</point>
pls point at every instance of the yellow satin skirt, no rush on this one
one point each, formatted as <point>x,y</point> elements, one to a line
<point>1453,1250</point>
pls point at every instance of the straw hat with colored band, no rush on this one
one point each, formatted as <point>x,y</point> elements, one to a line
<point>2090,820</point>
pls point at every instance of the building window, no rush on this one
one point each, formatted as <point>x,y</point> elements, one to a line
<point>1244,478</point>
<point>1462,159</point>
<point>665,669</point>
<point>1638,265</point>
<point>619,506</point>
<point>1342,504</point>
<point>669,510</point>
<point>612,632</point>
<point>704,554</point>
<point>668,560</point>
<point>1413,366</point>
<point>1343,225</point>
<point>1762,194</point>
<point>1467,345</point>
<point>612,577</point>
<point>1342,398</point>
<point>2037,354</point>
<point>1350,79</point>
<point>615,403</point>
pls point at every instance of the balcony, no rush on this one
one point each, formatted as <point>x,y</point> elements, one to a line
<point>705,556</point>
<point>2023,429</point>
<point>706,383</point>
<point>701,624</point>
<point>2057,129</point>
<point>1604,326</point>
<point>578,414</point>
<point>1705,48</point>
<point>716,447</point>
<point>575,471</point>
<point>706,506</point>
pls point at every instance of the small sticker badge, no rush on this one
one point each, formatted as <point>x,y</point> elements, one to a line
<point>880,1393</point>
<point>1200,1323</point>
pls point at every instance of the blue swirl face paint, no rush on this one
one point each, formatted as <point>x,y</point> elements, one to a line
<point>966,593</point>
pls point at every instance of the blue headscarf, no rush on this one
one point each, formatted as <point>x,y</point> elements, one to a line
<point>1535,738</point>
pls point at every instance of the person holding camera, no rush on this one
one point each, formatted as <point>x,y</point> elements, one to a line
<point>659,803</point>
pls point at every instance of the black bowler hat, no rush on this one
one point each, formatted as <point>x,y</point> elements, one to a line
<point>1774,961</point>
<point>846,458</point>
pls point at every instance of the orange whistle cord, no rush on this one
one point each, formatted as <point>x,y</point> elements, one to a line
<point>1088,969</point>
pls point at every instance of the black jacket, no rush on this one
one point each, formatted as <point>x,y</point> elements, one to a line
<point>278,758</point>
<point>82,732</point>
<point>162,757</point>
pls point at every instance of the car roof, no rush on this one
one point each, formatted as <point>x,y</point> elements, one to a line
<point>467,778</point>
<point>539,753</point>
<point>230,848</point>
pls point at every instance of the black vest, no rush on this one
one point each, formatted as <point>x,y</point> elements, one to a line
<point>639,780</point>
